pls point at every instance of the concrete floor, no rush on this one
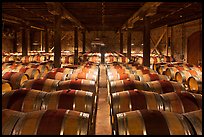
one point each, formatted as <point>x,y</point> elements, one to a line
<point>103,126</point>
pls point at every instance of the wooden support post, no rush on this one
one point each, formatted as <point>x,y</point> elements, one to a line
<point>57,42</point>
<point>83,42</point>
<point>46,41</point>
<point>146,41</point>
<point>31,40</point>
<point>24,43</point>
<point>121,42</point>
<point>15,42</point>
<point>75,46</point>
<point>166,41</point>
<point>41,41</point>
<point>129,44</point>
<point>171,45</point>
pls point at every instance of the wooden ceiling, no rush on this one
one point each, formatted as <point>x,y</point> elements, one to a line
<point>93,16</point>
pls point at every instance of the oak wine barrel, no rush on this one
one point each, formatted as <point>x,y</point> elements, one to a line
<point>181,102</point>
<point>52,122</point>
<point>15,78</point>
<point>48,85</point>
<point>24,100</point>
<point>152,122</point>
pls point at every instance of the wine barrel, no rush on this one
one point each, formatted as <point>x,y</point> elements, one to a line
<point>56,76</point>
<point>123,76</point>
<point>6,70</point>
<point>27,59</point>
<point>145,71</point>
<point>8,59</point>
<point>182,76</point>
<point>131,100</point>
<point>63,70</point>
<point>48,85</point>
<point>78,84</point>
<point>195,118</point>
<point>171,71</point>
<point>67,59</point>
<point>194,84</point>
<point>164,86</point>
<point>157,65</point>
<point>155,59</point>
<point>39,58</point>
<point>33,73</point>
<point>86,70</point>
<point>16,67</point>
<point>83,75</point>
<point>181,102</point>
<point>77,100</point>
<point>136,99</point>
<point>152,77</point>
<point>6,86</point>
<point>42,68</point>
<point>24,100</point>
<point>117,71</point>
<point>9,120</point>
<point>163,68</point>
<point>49,64</point>
<point>152,122</point>
<point>15,78</point>
<point>123,59</point>
<point>5,65</point>
<point>122,85</point>
<point>52,122</point>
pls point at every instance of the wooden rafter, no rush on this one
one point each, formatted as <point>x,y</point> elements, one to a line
<point>148,9</point>
<point>57,8</point>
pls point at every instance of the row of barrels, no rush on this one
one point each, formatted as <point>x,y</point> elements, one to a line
<point>132,91</point>
<point>79,94</point>
<point>153,59</point>
<point>38,58</point>
<point>65,59</point>
<point>108,57</point>
<point>29,100</point>
<point>187,74</point>
<point>44,122</point>
<point>132,100</point>
<point>154,122</point>
<point>18,75</point>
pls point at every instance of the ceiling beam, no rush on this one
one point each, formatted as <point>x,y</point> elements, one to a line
<point>57,8</point>
<point>33,13</point>
<point>148,9</point>
<point>15,20</point>
<point>12,19</point>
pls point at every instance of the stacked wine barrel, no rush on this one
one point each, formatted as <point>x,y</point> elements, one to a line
<point>187,74</point>
<point>144,102</point>
<point>38,99</point>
